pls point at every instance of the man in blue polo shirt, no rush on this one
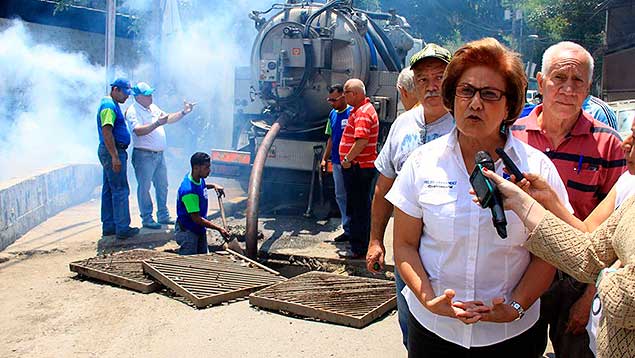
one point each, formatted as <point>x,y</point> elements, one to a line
<point>114,139</point>
<point>191,208</point>
<point>338,118</point>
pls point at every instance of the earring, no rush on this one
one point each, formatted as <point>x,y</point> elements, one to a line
<point>503,129</point>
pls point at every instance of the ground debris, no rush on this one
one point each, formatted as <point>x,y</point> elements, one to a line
<point>29,253</point>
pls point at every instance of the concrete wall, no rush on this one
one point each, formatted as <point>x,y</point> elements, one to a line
<point>28,202</point>
<point>92,45</point>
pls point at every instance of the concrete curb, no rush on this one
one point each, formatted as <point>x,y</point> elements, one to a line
<point>26,203</point>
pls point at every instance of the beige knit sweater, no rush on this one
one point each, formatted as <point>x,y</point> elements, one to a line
<point>583,255</point>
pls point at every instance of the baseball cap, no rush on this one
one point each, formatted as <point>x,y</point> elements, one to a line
<point>123,84</point>
<point>142,88</point>
<point>431,51</point>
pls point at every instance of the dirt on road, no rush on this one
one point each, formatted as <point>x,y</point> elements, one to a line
<point>48,312</point>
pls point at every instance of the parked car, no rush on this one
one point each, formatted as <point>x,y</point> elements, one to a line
<point>625,111</point>
<point>533,96</point>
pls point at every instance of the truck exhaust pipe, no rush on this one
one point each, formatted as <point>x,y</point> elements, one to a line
<point>255,181</point>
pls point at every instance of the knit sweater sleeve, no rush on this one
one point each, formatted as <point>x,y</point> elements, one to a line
<point>581,255</point>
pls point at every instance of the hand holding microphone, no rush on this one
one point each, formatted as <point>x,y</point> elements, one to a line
<point>487,192</point>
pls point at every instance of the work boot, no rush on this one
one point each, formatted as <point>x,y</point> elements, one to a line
<point>350,255</point>
<point>344,237</point>
<point>152,225</point>
<point>130,232</point>
<point>168,221</point>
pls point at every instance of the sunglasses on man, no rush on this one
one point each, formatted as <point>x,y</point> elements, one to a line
<point>329,99</point>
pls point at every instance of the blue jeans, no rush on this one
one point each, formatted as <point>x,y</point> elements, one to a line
<point>115,213</point>
<point>191,243</point>
<point>402,307</point>
<point>149,168</point>
<point>340,197</point>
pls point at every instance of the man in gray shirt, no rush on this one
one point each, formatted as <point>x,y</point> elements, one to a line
<point>421,124</point>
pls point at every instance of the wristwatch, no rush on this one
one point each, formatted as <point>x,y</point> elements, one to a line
<point>521,311</point>
<point>346,159</point>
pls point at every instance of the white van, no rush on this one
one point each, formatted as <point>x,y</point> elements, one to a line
<point>625,112</point>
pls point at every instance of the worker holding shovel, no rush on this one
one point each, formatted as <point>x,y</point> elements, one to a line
<point>191,208</point>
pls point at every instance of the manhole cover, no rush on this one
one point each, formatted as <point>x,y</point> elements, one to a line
<point>211,279</point>
<point>346,300</point>
<point>123,269</point>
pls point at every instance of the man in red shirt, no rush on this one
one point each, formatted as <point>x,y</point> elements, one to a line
<point>588,158</point>
<point>358,151</point>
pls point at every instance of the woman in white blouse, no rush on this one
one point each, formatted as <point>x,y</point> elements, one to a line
<point>469,292</point>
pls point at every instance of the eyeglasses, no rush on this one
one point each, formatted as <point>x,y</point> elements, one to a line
<point>329,99</point>
<point>486,93</point>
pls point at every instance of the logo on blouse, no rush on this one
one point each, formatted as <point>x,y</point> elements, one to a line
<point>439,184</point>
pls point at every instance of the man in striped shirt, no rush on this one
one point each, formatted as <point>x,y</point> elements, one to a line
<point>588,158</point>
<point>358,151</point>
<point>600,110</point>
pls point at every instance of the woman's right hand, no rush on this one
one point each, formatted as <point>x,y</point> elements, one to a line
<point>539,189</point>
<point>443,306</point>
<point>513,194</point>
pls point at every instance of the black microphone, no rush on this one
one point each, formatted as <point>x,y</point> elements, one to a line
<point>483,159</point>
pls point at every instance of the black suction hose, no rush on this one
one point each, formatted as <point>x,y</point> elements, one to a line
<point>383,51</point>
<point>387,43</point>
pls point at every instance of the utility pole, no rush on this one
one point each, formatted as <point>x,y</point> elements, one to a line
<point>111,15</point>
<point>519,16</point>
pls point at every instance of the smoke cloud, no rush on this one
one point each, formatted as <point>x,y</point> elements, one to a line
<point>48,105</point>
<point>50,97</point>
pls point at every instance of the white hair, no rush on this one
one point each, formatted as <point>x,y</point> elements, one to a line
<point>406,80</point>
<point>554,50</point>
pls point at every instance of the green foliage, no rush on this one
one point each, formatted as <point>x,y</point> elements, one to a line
<point>62,5</point>
<point>581,21</point>
<point>452,21</point>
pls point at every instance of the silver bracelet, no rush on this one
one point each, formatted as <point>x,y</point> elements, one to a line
<point>529,210</point>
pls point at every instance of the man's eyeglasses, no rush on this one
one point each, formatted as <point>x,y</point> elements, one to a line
<point>329,99</point>
<point>486,93</point>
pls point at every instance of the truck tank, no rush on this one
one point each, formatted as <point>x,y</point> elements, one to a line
<point>280,108</point>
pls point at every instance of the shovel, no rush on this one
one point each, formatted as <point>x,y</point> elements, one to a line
<point>228,242</point>
<point>222,211</point>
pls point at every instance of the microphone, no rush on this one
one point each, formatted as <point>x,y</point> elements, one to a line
<point>499,220</point>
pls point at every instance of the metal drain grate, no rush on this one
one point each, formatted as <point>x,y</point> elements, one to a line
<point>347,300</point>
<point>123,269</point>
<point>211,279</point>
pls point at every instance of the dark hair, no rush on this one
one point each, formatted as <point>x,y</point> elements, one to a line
<point>199,158</point>
<point>490,53</point>
<point>336,88</point>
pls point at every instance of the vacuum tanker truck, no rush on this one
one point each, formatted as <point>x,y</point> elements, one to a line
<point>279,100</point>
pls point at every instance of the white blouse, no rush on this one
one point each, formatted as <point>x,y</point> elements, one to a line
<point>624,188</point>
<point>459,246</point>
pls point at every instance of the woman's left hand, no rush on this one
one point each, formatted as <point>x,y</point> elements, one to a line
<point>499,312</point>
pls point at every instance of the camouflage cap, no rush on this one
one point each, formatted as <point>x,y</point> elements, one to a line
<point>431,51</point>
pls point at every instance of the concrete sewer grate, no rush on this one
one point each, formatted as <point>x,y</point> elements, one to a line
<point>346,300</point>
<point>211,279</point>
<point>123,269</point>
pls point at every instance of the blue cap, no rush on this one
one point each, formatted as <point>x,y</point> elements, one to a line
<point>123,84</point>
<point>142,88</point>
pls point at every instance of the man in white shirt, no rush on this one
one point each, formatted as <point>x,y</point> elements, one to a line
<point>146,120</point>
<point>419,125</point>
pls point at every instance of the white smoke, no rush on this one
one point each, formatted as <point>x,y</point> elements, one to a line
<point>48,101</point>
<point>197,62</point>
<point>49,97</point>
